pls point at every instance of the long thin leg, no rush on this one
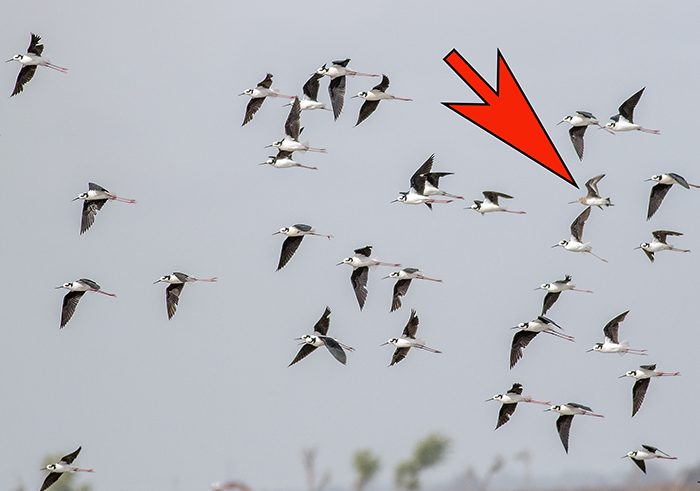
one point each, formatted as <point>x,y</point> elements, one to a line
<point>604,260</point>
<point>205,279</point>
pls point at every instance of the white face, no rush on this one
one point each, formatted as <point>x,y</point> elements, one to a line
<point>395,274</point>
<point>164,278</point>
<point>347,260</point>
<point>545,286</point>
<point>51,467</point>
<point>631,373</point>
<point>67,285</point>
<point>284,230</point>
<point>322,71</point>
<point>474,207</point>
<point>248,91</point>
<point>644,245</point>
<point>610,124</point>
<point>362,94</point>
<point>656,178</point>
<point>309,339</point>
<point>401,198</point>
<point>563,243</point>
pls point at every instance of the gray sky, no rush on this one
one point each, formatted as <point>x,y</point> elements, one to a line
<point>149,110</point>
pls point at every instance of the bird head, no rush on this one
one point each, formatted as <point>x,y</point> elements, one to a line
<point>609,125</point>
<point>308,338</point>
<point>284,231</point>
<point>497,397</point>
<point>247,92</point>
<point>81,196</point>
<point>544,286</point>
<point>270,161</point>
<point>50,467</point>
<point>323,70</point>
<point>631,373</point>
<point>164,279</point>
<point>391,341</point>
<point>566,119</point>
<point>395,274</point>
<point>556,409</point>
<point>643,245</point>
<point>597,347</point>
<point>401,198</point>
<point>347,260</point>
<point>15,58</point>
<point>654,178</point>
<point>67,286</point>
<point>561,243</point>
<point>522,325</point>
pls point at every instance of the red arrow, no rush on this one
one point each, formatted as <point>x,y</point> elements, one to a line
<point>507,114</point>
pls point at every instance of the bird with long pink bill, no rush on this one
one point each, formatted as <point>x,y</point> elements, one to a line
<point>30,61</point>
<point>57,469</point>
<point>76,291</point>
<point>93,201</point>
<point>510,401</point>
<point>176,284</point>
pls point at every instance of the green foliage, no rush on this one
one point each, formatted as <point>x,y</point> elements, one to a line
<point>428,452</point>
<point>366,465</point>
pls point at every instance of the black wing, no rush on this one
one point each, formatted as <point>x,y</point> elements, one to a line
<point>640,463</point>
<point>359,283</point>
<point>679,179</point>
<point>493,196</point>
<point>399,355</point>
<point>34,47</point>
<point>516,389</point>
<point>576,135</point>
<point>321,326</point>
<point>335,349</point>
<point>367,108</point>
<point>649,254</point>
<point>418,178</point>
<point>383,85</point>
<point>586,114</point>
<point>400,289</point>
<point>549,300</point>
<point>520,341</point>
<point>172,297</point>
<point>70,302</point>
<point>654,450</point>
<point>336,89</point>
<point>343,63</point>
<point>68,459</point>
<point>658,193</point>
<point>412,326</point>
<point>303,353</point>
<point>638,392</point>
<point>96,187</point>
<point>90,209</point>
<point>310,88</point>
<point>252,107</point>
<point>504,414</point>
<point>580,406</point>
<point>627,107</point>
<point>292,127</point>
<point>577,225</point>
<point>25,75</point>
<point>661,235</point>
<point>289,247</point>
<point>365,251</point>
<point>50,479</point>
<point>648,367</point>
<point>592,185</point>
<point>563,427</point>
<point>434,177</point>
<point>267,83</point>
<point>611,328</point>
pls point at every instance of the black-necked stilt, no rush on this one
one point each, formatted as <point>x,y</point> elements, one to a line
<point>320,338</point>
<point>30,61</point>
<point>292,130</point>
<point>648,452</point>
<point>593,197</point>
<point>509,401</point>
<point>579,123</point>
<point>623,120</point>
<point>361,262</point>
<point>659,244</point>
<point>612,343</point>
<point>283,160</point>
<point>411,197</point>
<point>643,375</point>
<point>425,184</point>
<point>177,283</point>
<point>566,416</point>
<point>258,95</point>
<point>310,90</point>
<point>58,468</point>
<point>658,192</point>
<point>408,340</point>
<point>337,73</point>
<point>76,291</point>
<point>401,287</point>
<point>554,289</point>
<point>94,200</point>
<point>294,234</point>
<point>575,243</point>
<point>490,203</point>
<point>373,97</point>
<point>528,330</point>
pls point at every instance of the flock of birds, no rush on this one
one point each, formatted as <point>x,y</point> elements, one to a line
<point>424,187</point>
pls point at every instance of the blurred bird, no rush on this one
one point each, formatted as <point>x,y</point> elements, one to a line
<point>56,470</point>
<point>659,244</point>
<point>623,120</point>
<point>509,402</point>
<point>408,340</point>
<point>93,201</point>
<point>337,73</point>
<point>257,97</point>
<point>554,289</point>
<point>361,262</point>
<point>222,486</point>
<point>649,452</point>
<point>283,161</point>
<point>579,123</point>
<point>643,376</point>
<point>30,61</point>
<point>490,203</point>
<point>292,130</point>
<point>593,197</point>
<point>612,343</point>
<point>177,283</point>
<point>294,234</point>
<point>373,97</point>
<point>401,287</point>
<point>528,331</point>
<point>320,338</point>
<point>566,416</point>
<point>658,192</point>
<point>76,291</point>
<point>575,243</point>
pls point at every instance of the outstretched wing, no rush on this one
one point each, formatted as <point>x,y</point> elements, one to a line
<point>657,195</point>
<point>640,463</point>
<point>400,289</point>
<point>336,89</point>
<point>267,83</point>
<point>292,127</point>
<point>50,479</point>
<point>70,302</point>
<point>563,427</point>
<point>412,326</point>
<point>576,135</point>
<point>399,355</point>
<point>493,196</point>
<point>90,209</point>
<point>577,225</point>
<point>303,353</point>
<point>504,414</point>
<point>627,108</point>
<point>252,107</point>
<point>311,86</point>
<point>611,328</point>
<point>520,341</point>
<point>172,297</point>
<point>638,392</point>
<point>25,75</point>
<point>321,326</point>
<point>367,108</point>
<point>661,235</point>
<point>383,85</point>
<point>359,284</point>
<point>336,350</point>
<point>289,247</point>
<point>68,459</point>
<point>549,300</point>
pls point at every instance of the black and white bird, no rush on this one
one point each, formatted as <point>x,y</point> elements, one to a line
<point>509,402</point>
<point>648,452</point>
<point>361,262</point>
<point>292,130</point>
<point>554,289</point>
<point>320,338</point>
<point>528,331</point>
<point>310,89</point>
<point>337,73</point>
<point>93,201</point>
<point>593,197</point>
<point>408,340</point>
<point>30,61</point>
<point>294,234</point>
<point>76,290</point>
<point>490,203</point>
<point>659,244</point>
<point>575,243</point>
<point>659,191</point>
<point>57,469</point>
<point>404,277</point>
<point>612,343</point>
<point>566,416</point>
<point>372,98</point>
<point>177,283</point>
<point>642,376</point>
<point>579,122</point>
<point>283,160</point>
<point>423,185</point>
<point>257,97</point>
<point>623,120</point>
